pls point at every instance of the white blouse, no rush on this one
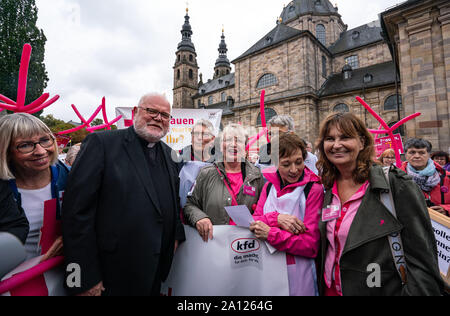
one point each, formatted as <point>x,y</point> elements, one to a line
<point>33,205</point>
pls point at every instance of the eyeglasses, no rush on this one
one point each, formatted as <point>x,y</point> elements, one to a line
<point>202,135</point>
<point>29,147</point>
<point>389,158</point>
<point>154,113</point>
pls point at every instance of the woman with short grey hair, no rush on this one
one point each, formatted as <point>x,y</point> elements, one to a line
<point>229,182</point>
<point>29,164</point>
<point>283,120</point>
<point>72,154</point>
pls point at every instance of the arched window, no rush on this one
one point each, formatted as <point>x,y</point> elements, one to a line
<point>191,58</point>
<point>270,113</point>
<point>266,81</point>
<point>178,74</point>
<point>191,74</point>
<point>223,97</point>
<point>391,103</point>
<point>210,100</point>
<point>342,108</point>
<point>321,34</point>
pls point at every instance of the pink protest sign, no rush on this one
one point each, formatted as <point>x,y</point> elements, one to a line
<point>385,143</point>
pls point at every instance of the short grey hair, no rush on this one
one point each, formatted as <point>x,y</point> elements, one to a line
<point>20,125</point>
<point>72,154</point>
<point>205,123</point>
<point>283,120</point>
<point>418,143</point>
<point>235,130</point>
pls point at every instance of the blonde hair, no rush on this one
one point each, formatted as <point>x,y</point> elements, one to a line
<point>20,125</point>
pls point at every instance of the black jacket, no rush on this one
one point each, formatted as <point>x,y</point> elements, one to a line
<point>12,218</point>
<point>112,222</point>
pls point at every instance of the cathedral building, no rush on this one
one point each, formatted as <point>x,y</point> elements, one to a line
<point>311,64</point>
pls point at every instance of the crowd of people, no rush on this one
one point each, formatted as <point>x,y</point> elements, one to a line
<point>125,196</point>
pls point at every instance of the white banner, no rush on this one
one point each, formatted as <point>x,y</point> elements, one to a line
<point>183,120</point>
<point>234,263</point>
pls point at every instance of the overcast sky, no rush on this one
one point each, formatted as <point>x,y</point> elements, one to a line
<point>122,49</point>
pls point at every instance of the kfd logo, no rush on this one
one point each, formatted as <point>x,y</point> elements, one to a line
<point>245,245</point>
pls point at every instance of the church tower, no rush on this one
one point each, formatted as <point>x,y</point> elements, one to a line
<point>185,69</point>
<point>223,66</point>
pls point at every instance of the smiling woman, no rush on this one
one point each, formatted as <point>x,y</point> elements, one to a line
<point>29,162</point>
<point>357,223</point>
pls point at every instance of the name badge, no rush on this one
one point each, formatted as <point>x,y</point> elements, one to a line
<point>248,190</point>
<point>331,213</point>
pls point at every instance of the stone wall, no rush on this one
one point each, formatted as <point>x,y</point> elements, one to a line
<point>423,38</point>
<point>376,53</point>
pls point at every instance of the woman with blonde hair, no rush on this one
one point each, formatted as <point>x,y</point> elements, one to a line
<point>230,181</point>
<point>29,164</point>
<point>387,158</point>
<point>376,234</point>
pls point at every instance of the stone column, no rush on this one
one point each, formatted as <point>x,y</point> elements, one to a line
<point>444,98</point>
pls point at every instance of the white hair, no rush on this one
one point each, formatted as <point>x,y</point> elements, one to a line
<point>283,120</point>
<point>205,123</point>
<point>153,95</point>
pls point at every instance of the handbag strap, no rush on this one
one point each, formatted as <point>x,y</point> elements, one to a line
<point>395,240</point>
<point>233,197</point>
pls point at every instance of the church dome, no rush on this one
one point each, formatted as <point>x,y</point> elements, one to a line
<point>297,8</point>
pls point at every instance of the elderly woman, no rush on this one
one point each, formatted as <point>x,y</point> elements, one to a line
<point>432,179</point>
<point>72,154</point>
<point>28,161</point>
<point>367,212</point>
<point>232,182</point>
<point>196,156</point>
<point>288,213</point>
<point>442,159</point>
<point>387,158</point>
<point>279,125</point>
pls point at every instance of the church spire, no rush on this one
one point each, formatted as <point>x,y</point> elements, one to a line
<point>223,66</point>
<point>186,32</point>
<point>185,69</point>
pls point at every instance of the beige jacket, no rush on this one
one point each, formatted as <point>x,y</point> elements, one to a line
<point>210,195</point>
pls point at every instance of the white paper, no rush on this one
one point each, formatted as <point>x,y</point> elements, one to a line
<point>240,215</point>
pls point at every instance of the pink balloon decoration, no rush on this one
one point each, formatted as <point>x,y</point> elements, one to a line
<point>255,139</point>
<point>87,124</point>
<point>19,105</point>
<point>263,122</point>
<point>388,130</point>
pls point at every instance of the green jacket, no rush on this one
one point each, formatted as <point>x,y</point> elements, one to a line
<point>210,195</point>
<point>368,243</point>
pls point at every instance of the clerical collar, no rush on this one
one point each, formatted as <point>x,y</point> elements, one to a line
<point>151,145</point>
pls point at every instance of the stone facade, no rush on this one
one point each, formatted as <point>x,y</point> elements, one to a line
<point>302,68</point>
<point>420,31</point>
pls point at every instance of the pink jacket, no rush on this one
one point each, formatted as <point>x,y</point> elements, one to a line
<point>307,244</point>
